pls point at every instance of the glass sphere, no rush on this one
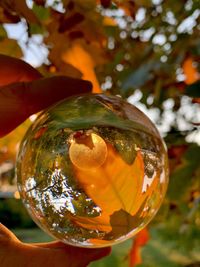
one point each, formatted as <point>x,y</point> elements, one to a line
<point>92,170</point>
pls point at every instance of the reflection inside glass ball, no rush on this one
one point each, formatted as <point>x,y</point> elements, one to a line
<point>92,170</point>
<point>87,150</point>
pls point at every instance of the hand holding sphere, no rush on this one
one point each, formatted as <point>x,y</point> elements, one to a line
<point>24,92</point>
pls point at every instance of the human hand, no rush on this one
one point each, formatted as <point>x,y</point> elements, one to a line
<point>23,92</point>
<point>53,254</point>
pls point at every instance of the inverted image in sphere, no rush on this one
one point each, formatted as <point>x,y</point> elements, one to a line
<point>92,170</point>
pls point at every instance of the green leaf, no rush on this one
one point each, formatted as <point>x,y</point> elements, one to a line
<point>123,141</point>
<point>193,90</point>
<point>144,3</point>
<point>43,13</point>
<point>181,178</point>
<point>36,29</point>
<point>3,33</point>
<point>10,47</point>
<point>140,76</point>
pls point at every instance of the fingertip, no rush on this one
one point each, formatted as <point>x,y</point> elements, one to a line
<point>105,251</point>
<point>100,253</point>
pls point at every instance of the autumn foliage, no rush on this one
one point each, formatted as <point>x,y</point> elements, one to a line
<point>146,49</point>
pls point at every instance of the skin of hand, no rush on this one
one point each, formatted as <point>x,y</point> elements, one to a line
<point>23,92</point>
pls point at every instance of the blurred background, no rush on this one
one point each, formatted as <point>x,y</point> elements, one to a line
<point>146,51</point>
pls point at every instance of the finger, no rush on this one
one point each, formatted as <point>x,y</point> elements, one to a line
<point>15,70</point>
<point>86,255</point>
<point>53,245</point>
<point>94,254</point>
<point>83,255</point>
<point>63,256</point>
<point>6,235</point>
<point>44,92</point>
<point>20,100</point>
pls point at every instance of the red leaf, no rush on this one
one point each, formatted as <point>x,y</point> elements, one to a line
<point>177,151</point>
<point>135,253</point>
<point>69,23</point>
<point>40,2</point>
<point>105,3</point>
<point>196,100</point>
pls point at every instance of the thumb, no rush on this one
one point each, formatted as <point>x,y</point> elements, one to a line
<point>20,100</point>
<point>6,235</point>
<point>15,70</point>
<point>86,255</point>
<point>96,254</point>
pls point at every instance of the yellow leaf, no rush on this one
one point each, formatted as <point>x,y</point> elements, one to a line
<point>113,186</point>
<point>108,21</point>
<point>10,143</point>
<point>78,57</point>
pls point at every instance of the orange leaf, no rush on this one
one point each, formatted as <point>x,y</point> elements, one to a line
<point>78,57</point>
<point>113,186</point>
<point>108,21</point>
<point>135,252</point>
<point>190,71</point>
<point>9,144</point>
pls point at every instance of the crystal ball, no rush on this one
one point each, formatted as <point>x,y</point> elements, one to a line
<point>92,170</point>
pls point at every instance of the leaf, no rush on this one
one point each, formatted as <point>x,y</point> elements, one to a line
<point>181,177</point>
<point>123,222</point>
<point>68,23</point>
<point>129,7</point>
<point>59,46</point>
<point>86,5</point>
<point>35,29</point>
<point>105,3</point>
<point>3,33</point>
<point>43,13</point>
<point>193,90</point>
<point>76,34</point>
<point>39,2</point>
<point>140,76</point>
<point>78,57</point>
<point>10,47</point>
<point>196,264</point>
<point>123,142</point>
<point>7,16</point>
<point>115,187</point>
<point>144,3</point>
<point>108,21</point>
<point>20,7</point>
<point>9,144</point>
<point>138,242</point>
<point>190,71</point>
